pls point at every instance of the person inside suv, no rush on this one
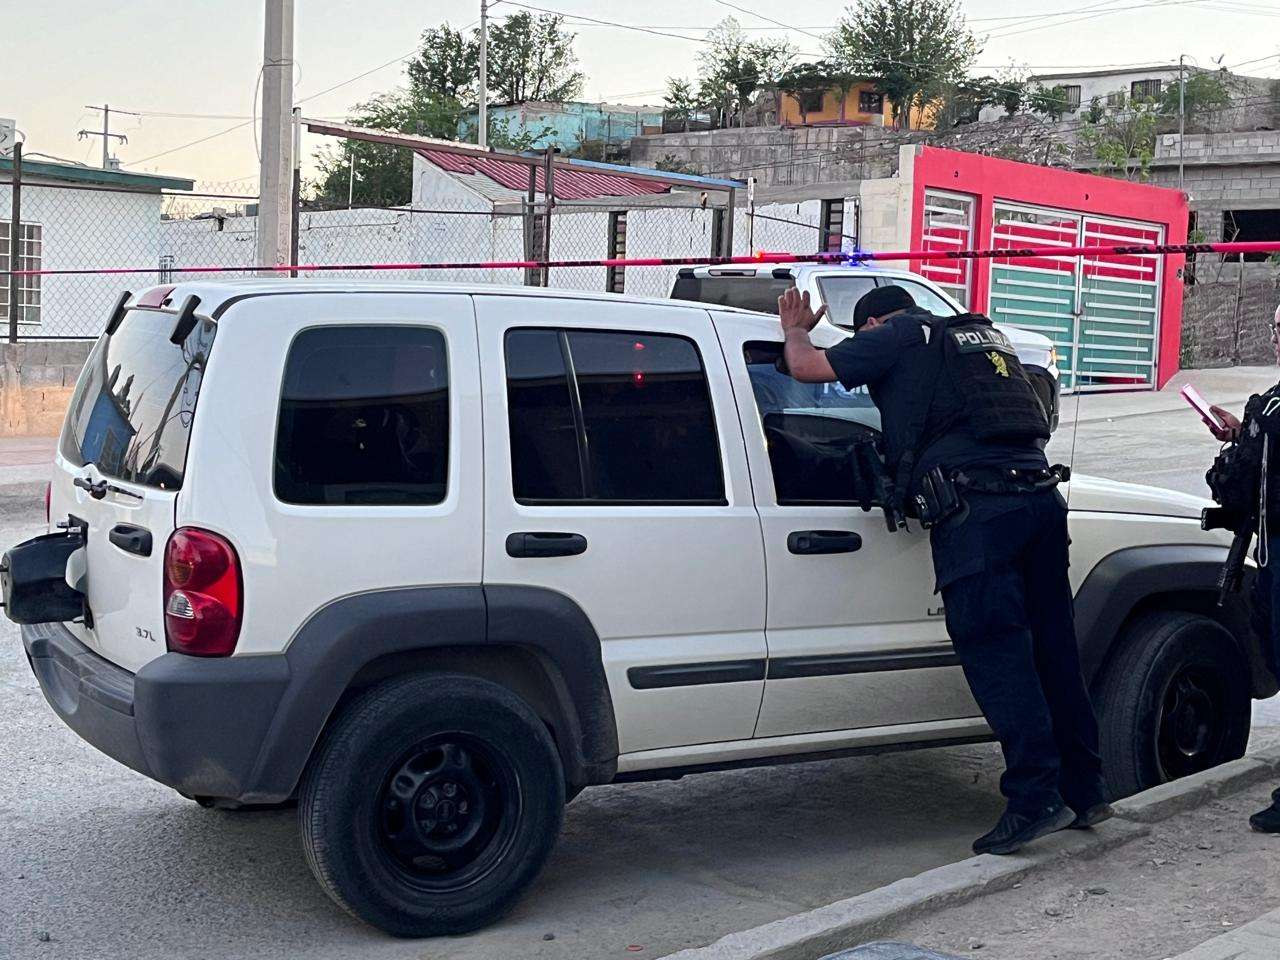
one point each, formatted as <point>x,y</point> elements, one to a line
<point>1001,562</point>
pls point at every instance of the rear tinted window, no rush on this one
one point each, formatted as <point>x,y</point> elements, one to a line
<point>134,404</point>
<point>749,293</point>
<point>364,417</point>
<point>633,425</point>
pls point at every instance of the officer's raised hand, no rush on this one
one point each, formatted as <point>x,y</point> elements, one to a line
<point>796,314</point>
<point>1230,428</point>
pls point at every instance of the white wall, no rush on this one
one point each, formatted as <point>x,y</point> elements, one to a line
<point>1095,86</point>
<point>88,228</point>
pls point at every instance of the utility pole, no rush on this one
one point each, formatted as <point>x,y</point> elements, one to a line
<point>105,133</point>
<point>15,243</point>
<point>295,193</point>
<point>483,119</point>
<point>275,164</point>
<point>1182,118</point>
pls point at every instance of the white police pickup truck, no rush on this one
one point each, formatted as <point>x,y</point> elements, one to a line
<point>433,559</point>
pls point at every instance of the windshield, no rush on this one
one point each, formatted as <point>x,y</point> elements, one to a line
<point>133,407</point>
<point>841,294</point>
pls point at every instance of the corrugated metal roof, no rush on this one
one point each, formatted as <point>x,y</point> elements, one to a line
<point>569,184</point>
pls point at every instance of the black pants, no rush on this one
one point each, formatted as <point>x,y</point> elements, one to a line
<point>1002,570</point>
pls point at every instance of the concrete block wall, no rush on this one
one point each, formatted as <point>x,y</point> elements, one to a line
<point>1225,321</point>
<point>37,378</point>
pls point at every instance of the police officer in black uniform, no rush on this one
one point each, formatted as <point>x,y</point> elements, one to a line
<point>1001,559</point>
<point>1262,426</point>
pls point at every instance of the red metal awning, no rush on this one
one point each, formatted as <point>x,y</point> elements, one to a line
<point>569,184</point>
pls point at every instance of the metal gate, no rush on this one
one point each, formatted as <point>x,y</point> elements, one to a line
<point>1102,315</point>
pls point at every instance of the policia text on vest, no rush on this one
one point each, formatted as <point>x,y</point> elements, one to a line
<point>956,409</point>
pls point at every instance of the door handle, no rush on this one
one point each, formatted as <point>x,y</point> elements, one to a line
<point>131,538</point>
<point>823,541</point>
<point>542,544</point>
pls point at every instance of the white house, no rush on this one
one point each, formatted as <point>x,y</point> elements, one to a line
<point>1111,88</point>
<point>79,217</point>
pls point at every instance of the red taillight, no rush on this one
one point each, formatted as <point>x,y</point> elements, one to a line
<point>202,604</point>
<point>48,501</point>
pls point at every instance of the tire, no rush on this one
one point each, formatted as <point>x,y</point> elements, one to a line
<point>1174,700</point>
<point>431,803</point>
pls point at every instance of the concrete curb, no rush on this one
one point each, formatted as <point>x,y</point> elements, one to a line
<point>846,923</point>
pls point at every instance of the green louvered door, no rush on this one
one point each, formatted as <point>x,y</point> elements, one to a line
<point>1101,314</point>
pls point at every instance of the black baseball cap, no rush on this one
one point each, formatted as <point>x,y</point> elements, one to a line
<point>878,302</point>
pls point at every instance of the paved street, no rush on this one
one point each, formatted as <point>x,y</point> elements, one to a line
<point>99,862</point>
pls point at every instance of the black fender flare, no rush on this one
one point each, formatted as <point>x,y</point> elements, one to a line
<point>1123,580</point>
<point>347,635</point>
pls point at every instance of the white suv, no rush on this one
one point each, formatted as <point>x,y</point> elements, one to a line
<point>432,559</point>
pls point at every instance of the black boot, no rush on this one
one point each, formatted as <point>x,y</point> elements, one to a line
<point>1016,830</point>
<point>1268,820</point>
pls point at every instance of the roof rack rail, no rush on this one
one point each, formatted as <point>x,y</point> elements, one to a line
<point>186,321</point>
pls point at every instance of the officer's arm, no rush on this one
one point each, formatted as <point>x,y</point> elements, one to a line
<point>805,362</point>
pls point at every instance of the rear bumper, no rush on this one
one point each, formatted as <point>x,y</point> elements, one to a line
<point>197,725</point>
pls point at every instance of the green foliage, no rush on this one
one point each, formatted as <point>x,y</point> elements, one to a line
<point>1204,93</point>
<point>1096,112</point>
<point>446,66</point>
<point>673,164</point>
<point>960,102</point>
<point>1124,142</point>
<point>1050,102</point>
<point>913,49</point>
<point>532,58</point>
<point>807,79</point>
<point>731,68</point>
<point>681,98</point>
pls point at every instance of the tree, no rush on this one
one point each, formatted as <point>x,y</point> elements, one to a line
<point>1050,102</point>
<point>1205,92</point>
<point>803,82</point>
<point>960,103</point>
<point>446,66</point>
<point>1124,141</point>
<point>731,68</point>
<point>680,99</point>
<point>912,48</point>
<point>532,58</point>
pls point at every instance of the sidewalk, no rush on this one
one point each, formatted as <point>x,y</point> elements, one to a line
<point>1259,940</point>
<point>26,460</point>
<point>1229,387</point>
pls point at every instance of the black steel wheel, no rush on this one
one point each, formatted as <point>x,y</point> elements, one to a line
<point>448,811</point>
<point>1174,699</point>
<point>431,803</point>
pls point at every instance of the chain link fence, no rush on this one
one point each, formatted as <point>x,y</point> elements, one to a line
<point>129,238</point>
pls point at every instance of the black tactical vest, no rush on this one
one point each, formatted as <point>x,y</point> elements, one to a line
<point>997,403</point>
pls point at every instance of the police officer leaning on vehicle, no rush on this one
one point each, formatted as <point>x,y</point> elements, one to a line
<point>958,417</point>
<point>1266,595</point>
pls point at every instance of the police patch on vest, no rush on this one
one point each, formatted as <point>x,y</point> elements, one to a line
<point>982,339</point>
<point>1000,363</point>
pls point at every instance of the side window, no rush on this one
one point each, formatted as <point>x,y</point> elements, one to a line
<point>364,417</point>
<point>842,293</point>
<point>818,435</point>
<point>610,417</point>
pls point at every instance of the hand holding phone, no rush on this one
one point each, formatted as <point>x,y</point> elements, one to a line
<point>1202,407</point>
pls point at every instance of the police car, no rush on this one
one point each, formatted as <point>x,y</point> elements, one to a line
<point>432,559</point>
<point>838,287</point>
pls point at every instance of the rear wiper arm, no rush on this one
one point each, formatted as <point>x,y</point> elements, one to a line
<point>102,488</point>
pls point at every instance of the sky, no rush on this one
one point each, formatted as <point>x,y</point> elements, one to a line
<point>190,68</point>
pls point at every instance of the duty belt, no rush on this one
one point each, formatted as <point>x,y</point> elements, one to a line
<point>1010,479</point>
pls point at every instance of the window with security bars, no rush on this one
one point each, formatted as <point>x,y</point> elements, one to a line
<point>30,254</point>
<point>1145,89</point>
<point>1071,92</point>
<point>870,101</point>
<point>831,228</point>
<point>615,277</point>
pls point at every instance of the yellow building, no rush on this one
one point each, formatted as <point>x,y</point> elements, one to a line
<point>864,103</point>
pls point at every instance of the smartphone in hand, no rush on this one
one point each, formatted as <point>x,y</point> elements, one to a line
<point>1202,407</point>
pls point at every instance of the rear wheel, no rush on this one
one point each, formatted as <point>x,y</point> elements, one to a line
<point>431,803</point>
<point>1174,700</point>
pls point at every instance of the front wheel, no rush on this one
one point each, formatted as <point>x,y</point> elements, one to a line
<point>1174,700</point>
<point>432,802</point>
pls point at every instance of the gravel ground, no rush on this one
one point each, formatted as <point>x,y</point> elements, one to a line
<point>1197,875</point>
